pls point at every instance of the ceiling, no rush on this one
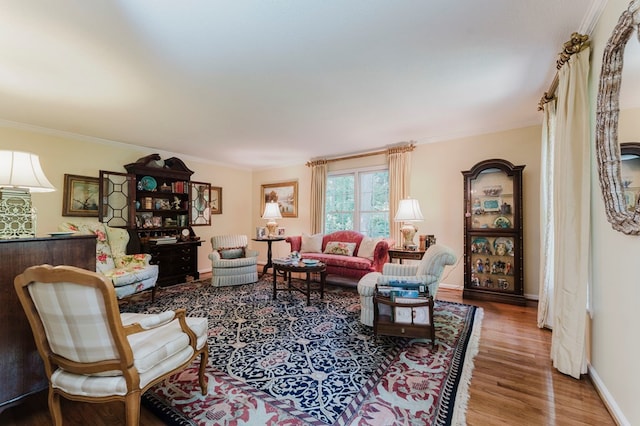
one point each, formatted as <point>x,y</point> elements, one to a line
<point>265,83</point>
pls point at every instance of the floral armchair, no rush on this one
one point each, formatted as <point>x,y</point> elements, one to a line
<point>130,273</point>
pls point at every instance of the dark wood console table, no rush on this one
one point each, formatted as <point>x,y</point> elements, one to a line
<point>395,253</point>
<point>21,368</point>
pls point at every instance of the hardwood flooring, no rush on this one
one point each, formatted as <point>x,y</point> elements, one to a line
<point>513,382</point>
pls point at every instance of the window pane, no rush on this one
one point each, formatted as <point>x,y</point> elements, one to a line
<point>359,201</point>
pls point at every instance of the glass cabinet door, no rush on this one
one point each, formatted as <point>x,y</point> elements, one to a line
<point>493,234</point>
<point>492,200</point>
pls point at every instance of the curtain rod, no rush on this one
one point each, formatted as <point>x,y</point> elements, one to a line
<point>575,45</point>
<point>409,147</point>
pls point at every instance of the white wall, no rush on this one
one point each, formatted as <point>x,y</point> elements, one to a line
<point>615,343</point>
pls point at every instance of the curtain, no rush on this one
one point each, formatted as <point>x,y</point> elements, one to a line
<point>318,194</point>
<point>545,307</point>
<point>399,159</point>
<point>571,216</point>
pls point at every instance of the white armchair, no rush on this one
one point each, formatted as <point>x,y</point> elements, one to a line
<point>232,263</point>
<point>428,271</point>
<point>91,352</point>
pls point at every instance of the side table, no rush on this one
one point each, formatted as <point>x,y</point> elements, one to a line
<point>268,240</point>
<point>396,253</point>
<point>288,268</point>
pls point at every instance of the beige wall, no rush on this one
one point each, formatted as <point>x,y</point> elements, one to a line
<point>61,154</point>
<point>614,274</point>
<point>436,181</point>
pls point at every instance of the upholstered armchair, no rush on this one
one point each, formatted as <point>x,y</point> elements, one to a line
<point>91,352</point>
<point>428,272</point>
<point>130,273</point>
<point>232,262</point>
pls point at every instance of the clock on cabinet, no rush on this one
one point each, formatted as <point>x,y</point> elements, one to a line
<point>493,240</point>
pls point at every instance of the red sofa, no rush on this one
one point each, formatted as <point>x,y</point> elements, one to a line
<point>341,268</point>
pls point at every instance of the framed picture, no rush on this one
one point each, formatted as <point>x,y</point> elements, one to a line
<point>285,194</point>
<point>281,232</point>
<point>261,232</point>
<point>80,197</point>
<point>216,200</point>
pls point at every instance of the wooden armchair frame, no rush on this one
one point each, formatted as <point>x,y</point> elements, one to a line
<point>123,363</point>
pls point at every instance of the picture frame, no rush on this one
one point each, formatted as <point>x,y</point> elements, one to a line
<point>216,200</point>
<point>281,232</point>
<point>261,232</point>
<point>284,193</point>
<point>80,196</point>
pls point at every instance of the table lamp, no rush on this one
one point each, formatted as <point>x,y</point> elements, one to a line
<point>271,213</point>
<point>408,212</point>
<point>20,175</point>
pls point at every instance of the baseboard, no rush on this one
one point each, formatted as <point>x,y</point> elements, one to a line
<point>607,398</point>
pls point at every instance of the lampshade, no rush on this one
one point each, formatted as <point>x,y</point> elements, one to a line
<point>271,213</point>
<point>408,210</point>
<point>21,170</point>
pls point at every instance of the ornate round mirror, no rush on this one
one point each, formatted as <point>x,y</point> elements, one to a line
<point>623,212</point>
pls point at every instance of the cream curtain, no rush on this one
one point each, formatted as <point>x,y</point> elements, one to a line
<point>399,159</point>
<point>571,216</point>
<point>545,307</point>
<point>318,194</point>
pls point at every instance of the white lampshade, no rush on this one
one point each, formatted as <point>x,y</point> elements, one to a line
<point>21,170</point>
<point>408,211</point>
<point>271,211</point>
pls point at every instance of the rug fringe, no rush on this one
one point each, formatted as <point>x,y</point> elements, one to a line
<point>459,416</point>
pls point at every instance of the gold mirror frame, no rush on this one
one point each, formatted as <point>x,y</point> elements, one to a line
<point>607,114</point>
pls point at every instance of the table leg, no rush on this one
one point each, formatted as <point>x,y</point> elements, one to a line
<point>323,277</point>
<point>308,288</point>
<point>274,283</point>
<point>269,263</point>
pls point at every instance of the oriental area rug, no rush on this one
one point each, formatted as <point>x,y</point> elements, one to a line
<point>281,362</point>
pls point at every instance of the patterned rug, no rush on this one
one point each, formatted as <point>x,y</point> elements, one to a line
<point>285,363</point>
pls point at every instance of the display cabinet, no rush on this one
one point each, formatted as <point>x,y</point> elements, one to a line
<point>159,205</point>
<point>493,240</point>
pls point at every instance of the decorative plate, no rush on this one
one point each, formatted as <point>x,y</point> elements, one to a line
<point>480,245</point>
<point>148,183</point>
<point>503,246</point>
<point>310,262</point>
<point>502,222</point>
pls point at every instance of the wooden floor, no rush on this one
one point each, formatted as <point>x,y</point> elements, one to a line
<point>513,382</point>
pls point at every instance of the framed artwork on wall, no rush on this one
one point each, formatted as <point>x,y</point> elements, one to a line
<point>216,200</point>
<point>80,196</point>
<point>285,194</point>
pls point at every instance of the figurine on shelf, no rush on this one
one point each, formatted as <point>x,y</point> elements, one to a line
<point>480,266</point>
<point>507,268</point>
<point>176,202</point>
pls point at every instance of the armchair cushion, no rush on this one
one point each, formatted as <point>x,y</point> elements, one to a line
<point>232,253</point>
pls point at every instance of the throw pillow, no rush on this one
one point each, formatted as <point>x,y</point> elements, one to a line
<point>336,247</point>
<point>368,246</point>
<point>311,243</point>
<point>231,252</point>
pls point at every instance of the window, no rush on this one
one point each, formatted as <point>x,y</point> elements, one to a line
<point>358,200</point>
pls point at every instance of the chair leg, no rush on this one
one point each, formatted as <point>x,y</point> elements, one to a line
<point>153,293</point>
<point>132,408</point>
<point>54,407</point>
<point>204,359</point>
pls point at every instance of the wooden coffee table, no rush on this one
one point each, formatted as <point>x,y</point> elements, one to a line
<point>287,268</point>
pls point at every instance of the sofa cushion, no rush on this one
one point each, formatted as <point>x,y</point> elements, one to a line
<point>340,248</point>
<point>311,243</point>
<point>368,247</point>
